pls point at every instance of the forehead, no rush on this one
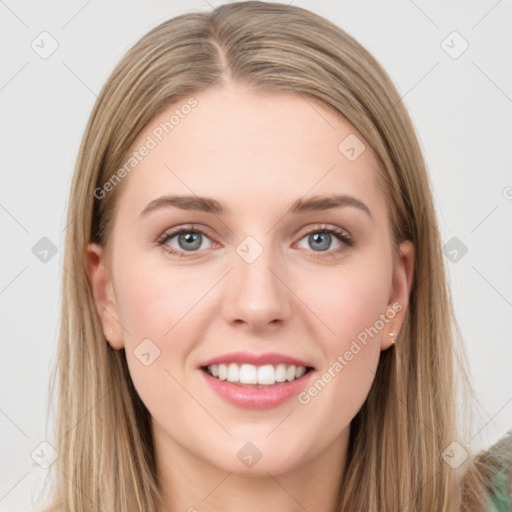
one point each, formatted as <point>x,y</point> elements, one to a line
<point>237,145</point>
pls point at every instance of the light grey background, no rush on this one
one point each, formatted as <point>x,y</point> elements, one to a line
<point>461,107</point>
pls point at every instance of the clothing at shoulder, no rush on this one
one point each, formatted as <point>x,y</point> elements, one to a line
<point>499,456</point>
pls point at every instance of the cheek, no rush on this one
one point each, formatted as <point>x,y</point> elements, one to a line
<point>352,306</point>
<point>350,301</point>
<point>158,309</point>
<point>156,301</point>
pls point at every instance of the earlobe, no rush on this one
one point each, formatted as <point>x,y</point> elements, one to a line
<point>399,296</point>
<point>104,298</point>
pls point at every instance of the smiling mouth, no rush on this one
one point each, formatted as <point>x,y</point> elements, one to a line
<point>252,376</point>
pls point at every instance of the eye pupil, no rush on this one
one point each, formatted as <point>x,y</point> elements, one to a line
<point>316,237</point>
<point>189,238</point>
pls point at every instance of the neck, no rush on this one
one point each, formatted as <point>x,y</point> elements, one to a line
<point>191,484</point>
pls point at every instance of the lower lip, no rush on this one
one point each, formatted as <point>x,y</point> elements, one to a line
<point>257,398</point>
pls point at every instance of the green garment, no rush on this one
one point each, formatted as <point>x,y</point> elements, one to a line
<point>500,500</point>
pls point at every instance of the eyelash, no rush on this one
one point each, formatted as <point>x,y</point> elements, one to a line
<point>340,234</point>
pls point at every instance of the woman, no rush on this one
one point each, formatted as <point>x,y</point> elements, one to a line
<point>255,310</point>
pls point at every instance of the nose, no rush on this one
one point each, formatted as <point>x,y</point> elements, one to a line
<point>256,293</point>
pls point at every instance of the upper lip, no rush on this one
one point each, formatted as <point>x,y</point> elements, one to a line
<point>256,359</point>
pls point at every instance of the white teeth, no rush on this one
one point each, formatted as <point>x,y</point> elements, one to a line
<point>290,373</point>
<point>280,373</point>
<point>299,372</point>
<point>232,373</point>
<point>266,374</point>
<point>223,371</point>
<point>250,374</point>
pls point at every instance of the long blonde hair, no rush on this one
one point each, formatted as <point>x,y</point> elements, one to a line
<point>106,457</point>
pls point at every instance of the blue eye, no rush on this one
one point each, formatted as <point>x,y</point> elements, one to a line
<point>190,239</point>
<point>322,239</point>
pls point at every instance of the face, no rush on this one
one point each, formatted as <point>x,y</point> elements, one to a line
<point>267,273</point>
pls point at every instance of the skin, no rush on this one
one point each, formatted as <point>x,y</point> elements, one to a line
<point>257,153</point>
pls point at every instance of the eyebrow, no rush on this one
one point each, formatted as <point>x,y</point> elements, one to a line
<point>210,205</point>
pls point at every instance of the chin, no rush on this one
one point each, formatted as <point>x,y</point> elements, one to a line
<point>258,456</point>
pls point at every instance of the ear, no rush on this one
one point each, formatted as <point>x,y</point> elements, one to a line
<point>104,296</point>
<point>403,272</point>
